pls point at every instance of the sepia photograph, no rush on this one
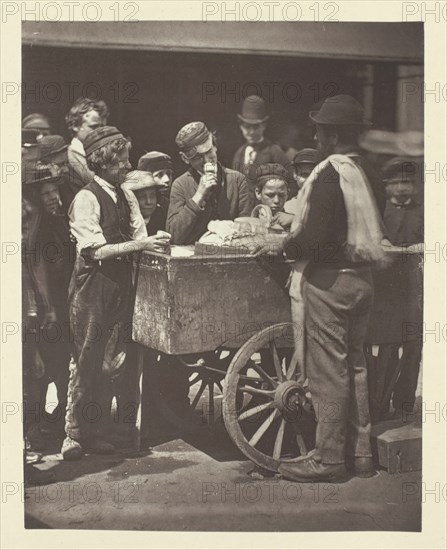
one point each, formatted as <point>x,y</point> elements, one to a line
<point>222,271</point>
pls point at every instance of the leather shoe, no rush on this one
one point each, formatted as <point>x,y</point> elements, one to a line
<point>310,470</point>
<point>361,466</point>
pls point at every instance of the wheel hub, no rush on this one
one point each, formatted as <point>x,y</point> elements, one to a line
<point>288,396</point>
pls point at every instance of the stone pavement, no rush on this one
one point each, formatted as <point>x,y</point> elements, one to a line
<point>201,482</point>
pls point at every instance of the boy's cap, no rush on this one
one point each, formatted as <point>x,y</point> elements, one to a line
<point>193,139</point>
<point>99,137</point>
<point>154,161</point>
<point>50,145</point>
<point>399,168</point>
<point>136,180</point>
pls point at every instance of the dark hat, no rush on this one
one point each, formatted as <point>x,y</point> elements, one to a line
<point>194,138</point>
<point>269,171</point>
<point>154,161</point>
<point>29,137</point>
<point>51,145</point>
<point>304,156</point>
<point>99,137</point>
<point>253,110</point>
<point>399,168</point>
<point>37,121</point>
<point>42,174</point>
<point>340,110</point>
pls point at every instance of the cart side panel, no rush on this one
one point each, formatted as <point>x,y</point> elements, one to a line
<point>224,303</point>
<point>197,304</point>
<point>153,304</point>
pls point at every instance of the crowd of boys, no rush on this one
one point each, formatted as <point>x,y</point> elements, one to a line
<point>85,213</point>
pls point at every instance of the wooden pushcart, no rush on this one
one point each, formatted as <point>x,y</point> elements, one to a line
<point>225,319</point>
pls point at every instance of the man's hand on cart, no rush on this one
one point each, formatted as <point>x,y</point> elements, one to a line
<point>283,219</point>
<point>267,249</point>
<point>158,243</point>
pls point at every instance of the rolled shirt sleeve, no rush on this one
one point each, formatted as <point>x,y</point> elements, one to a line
<point>137,226</point>
<point>84,217</point>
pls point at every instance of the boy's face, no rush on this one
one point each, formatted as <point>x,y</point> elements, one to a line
<point>201,159</point>
<point>115,171</point>
<point>90,121</point>
<point>253,133</point>
<point>400,189</point>
<point>50,198</point>
<point>163,177</point>
<point>147,199</point>
<point>273,194</point>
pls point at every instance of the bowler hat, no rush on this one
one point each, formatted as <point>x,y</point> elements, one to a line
<point>99,137</point>
<point>340,110</point>
<point>253,110</point>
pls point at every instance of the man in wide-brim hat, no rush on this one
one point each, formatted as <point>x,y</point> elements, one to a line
<point>257,149</point>
<point>337,291</point>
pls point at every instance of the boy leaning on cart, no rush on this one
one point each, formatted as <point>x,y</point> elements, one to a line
<point>107,229</point>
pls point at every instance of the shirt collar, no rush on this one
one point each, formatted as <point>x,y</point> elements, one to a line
<point>408,202</point>
<point>77,145</point>
<point>104,183</point>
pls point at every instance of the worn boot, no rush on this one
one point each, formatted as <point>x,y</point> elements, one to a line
<point>71,449</point>
<point>309,470</point>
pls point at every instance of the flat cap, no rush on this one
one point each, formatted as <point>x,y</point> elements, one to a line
<point>194,138</point>
<point>270,171</point>
<point>50,145</point>
<point>308,156</point>
<point>154,161</point>
<point>399,168</point>
<point>43,174</point>
<point>136,180</point>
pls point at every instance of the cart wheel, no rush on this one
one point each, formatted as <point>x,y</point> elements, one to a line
<point>267,412</point>
<point>190,390</point>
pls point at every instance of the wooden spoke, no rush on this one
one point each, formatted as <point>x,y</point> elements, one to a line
<point>301,444</point>
<point>263,428</point>
<point>276,361</point>
<point>263,374</point>
<point>293,367</point>
<point>279,439</point>
<point>211,402</point>
<point>257,391</point>
<point>219,385</point>
<point>255,410</point>
<point>198,395</point>
<point>194,380</point>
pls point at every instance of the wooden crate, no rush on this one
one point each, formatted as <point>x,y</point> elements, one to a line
<point>397,446</point>
<point>198,303</point>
